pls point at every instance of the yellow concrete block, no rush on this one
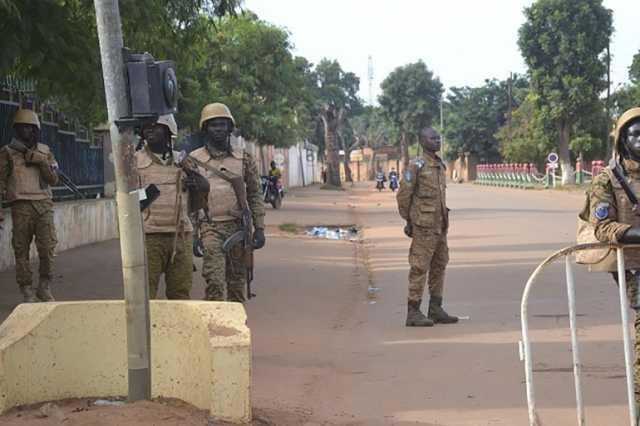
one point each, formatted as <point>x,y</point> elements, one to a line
<point>200,353</point>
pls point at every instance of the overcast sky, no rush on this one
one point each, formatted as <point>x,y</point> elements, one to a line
<point>463,42</point>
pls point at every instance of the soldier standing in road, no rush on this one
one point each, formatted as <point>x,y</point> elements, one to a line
<point>612,214</point>
<point>226,273</point>
<point>166,221</point>
<point>26,175</point>
<point>422,203</point>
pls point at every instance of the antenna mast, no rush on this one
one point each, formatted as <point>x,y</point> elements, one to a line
<point>370,80</point>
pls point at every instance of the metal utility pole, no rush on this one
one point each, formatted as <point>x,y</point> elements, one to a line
<point>370,81</point>
<point>134,268</point>
<point>510,105</point>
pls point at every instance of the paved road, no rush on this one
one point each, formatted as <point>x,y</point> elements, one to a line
<point>327,352</point>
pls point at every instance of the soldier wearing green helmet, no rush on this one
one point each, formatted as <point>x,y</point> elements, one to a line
<point>27,172</point>
<point>225,270</point>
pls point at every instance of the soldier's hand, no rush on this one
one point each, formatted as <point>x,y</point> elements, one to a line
<point>36,157</point>
<point>259,239</point>
<point>408,230</point>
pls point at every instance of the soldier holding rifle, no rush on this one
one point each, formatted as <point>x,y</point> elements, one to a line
<point>235,225</point>
<point>27,172</point>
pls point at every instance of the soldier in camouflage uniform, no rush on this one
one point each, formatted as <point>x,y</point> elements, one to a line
<point>26,175</point>
<point>611,213</point>
<point>166,221</point>
<point>225,273</point>
<point>422,203</point>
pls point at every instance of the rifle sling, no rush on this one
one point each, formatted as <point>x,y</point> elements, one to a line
<point>619,175</point>
<point>222,174</point>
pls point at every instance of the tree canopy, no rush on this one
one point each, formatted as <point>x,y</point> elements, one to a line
<point>562,42</point>
<point>411,100</point>
<point>474,115</point>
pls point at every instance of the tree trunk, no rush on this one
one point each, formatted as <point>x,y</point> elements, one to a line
<point>404,151</point>
<point>371,172</point>
<point>563,153</point>
<point>330,119</point>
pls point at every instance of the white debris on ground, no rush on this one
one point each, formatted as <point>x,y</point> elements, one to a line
<point>350,234</point>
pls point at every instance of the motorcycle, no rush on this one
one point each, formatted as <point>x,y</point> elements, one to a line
<point>393,182</point>
<point>380,180</point>
<point>272,191</point>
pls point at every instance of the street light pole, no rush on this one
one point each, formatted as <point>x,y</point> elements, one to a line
<point>134,268</point>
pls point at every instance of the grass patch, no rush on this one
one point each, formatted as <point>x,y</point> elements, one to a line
<point>288,227</point>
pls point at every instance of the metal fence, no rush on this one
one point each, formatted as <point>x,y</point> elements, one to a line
<point>77,157</point>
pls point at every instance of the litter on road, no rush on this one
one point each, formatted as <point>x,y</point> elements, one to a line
<point>350,234</point>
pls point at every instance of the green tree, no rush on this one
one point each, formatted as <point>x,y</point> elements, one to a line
<point>372,130</point>
<point>55,43</point>
<point>336,100</point>
<point>628,96</point>
<point>528,138</point>
<point>411,101</point>
<point>474,115</point>
<point>562,42</point>
<point>249,66</point>
<point>634,69</point>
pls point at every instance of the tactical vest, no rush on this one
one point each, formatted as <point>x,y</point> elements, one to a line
<point>223,204</point>
<point>169,212</point>
<point>605,260</point>
<point>429,206</point>
<point>25,182</point>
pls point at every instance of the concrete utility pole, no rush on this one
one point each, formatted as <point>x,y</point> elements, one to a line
<point>134,268</point>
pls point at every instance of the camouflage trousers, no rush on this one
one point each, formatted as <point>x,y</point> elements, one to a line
<point>33,219</point>
<point>178,273</point>
<point>225,274</point>
<point>428,257</point>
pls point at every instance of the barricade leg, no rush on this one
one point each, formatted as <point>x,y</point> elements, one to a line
<point>626,335</point>
<point>577,367</point>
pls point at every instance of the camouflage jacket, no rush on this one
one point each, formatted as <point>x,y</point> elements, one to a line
<point>422,194</point>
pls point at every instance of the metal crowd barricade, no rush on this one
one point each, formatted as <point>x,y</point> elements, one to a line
<point>525,343</point>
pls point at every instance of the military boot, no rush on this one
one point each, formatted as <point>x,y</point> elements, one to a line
<point>437,314</point>
<point>44,291</point>
<point>27,294</point>
<point>415,318</point>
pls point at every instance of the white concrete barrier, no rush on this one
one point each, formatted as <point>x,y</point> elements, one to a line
<point>200,353</point>
<point>77,223</point>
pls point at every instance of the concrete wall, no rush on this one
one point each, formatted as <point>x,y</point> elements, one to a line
<point>200,353</point>
<point>296,160</point>
<point>77,223</point>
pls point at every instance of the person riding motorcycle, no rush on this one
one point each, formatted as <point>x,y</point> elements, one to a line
<point>393,180</point>
<point>272,187</point>
<point>380,180</point>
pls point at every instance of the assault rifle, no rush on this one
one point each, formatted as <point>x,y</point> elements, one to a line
<point>62,177</point>
<point>66,181</point>
<point>618,173</point>
<point>245,235</point>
